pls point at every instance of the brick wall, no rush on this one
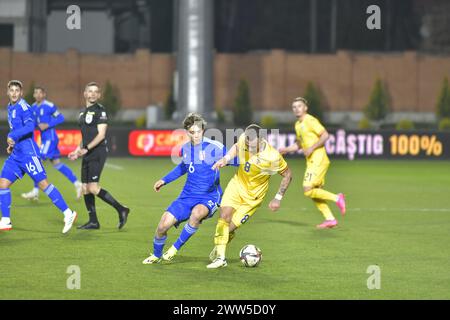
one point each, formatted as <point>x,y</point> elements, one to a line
<point>275,77</point>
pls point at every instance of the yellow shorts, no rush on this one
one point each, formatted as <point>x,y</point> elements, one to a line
<point>243,205</point>
<point>315,175</point>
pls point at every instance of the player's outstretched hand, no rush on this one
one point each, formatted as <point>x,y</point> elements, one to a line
<point>10,142</point>
<point>219,164</point>
<point>158,185</point>
<point>283,151</point>
<point>9,149</point>
<point>81,152</point>
<point>73,156</point>
<point>274,205</point>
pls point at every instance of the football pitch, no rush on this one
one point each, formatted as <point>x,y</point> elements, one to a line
<point>398,219</point>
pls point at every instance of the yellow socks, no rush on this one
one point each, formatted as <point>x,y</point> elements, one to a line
<point>323,207</point>
<point>221,237</point>
<point>321,194</point>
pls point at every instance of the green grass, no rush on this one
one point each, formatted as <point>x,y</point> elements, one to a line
<point>398,218</point>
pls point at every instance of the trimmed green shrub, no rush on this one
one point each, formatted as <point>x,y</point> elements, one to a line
<point>379,103</point>
<point>405,125</point>
<point>111,99</point>
<point>242,110</point>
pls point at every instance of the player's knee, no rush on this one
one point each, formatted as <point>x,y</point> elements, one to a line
<point>307,192</point>
<point>4,183</point>
<point>226,215</point>
<point>196,218</point>
<point>198,215</point>
<point>93,188</point>
<point>162,229</point>
<point>43,184</point>
<point>90,189</point>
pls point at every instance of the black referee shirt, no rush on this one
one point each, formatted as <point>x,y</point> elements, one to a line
<point>88,120</point>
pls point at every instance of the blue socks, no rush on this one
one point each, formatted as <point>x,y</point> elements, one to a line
<point>187,232</point>
<point>158,245</point>
<point>66,171</point>
<point>56,198</point>
<point>5,202</point>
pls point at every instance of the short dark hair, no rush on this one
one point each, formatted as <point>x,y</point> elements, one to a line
<point>254,131</point>
<point>40,88</point>
<point>91,84</point>
<point>15,83</point>
<point>301,99</point>
<point>194,119</point>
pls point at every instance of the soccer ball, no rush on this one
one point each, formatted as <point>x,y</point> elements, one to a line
<point>250,255</point>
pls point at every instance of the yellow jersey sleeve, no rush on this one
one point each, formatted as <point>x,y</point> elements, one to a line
<point>282,164</point>
<point>298,133</point>
<point>241,142</point>
<point>316,126</point>
<point>241,149</point>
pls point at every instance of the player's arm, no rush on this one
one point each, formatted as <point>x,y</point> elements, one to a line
<point>173,175</point>
<point>28,127</point>
<point>323,137</point>
<point>56,119</point>
<point>275,204</point>
<point>292,148</point>
<point>74,154</point>
<point>231,154</point>
<point>101,135</point>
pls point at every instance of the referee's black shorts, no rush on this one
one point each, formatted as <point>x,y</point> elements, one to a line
<point>92,166</point>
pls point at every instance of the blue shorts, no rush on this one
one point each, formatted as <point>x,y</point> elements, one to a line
<point>182,207</point>
<point>14,169</point>
<point>49,150</point>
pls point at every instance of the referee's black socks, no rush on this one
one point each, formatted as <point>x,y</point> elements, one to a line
<point>89,201</point>
<point>109,199</point>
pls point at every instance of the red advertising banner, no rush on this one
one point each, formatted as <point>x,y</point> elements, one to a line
<point>68,140</point>
<point>156,142</point>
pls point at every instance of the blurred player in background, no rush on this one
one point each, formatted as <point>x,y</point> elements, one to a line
<point>24,158</point>
<point>201,193</point>
<point>47,118</point>
<point>311,138</point>
<point>258,160</point>
<point>93,121</point>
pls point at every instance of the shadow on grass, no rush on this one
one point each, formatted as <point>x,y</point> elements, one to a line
<point>320,234</point>
<point>185,260</point>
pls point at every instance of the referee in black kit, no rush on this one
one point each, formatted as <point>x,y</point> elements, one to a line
<point>93,121</point>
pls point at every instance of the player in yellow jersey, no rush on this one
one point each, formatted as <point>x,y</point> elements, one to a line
<point>258,160</point>
<point>311,138</point>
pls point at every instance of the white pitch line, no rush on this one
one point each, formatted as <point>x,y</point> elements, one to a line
<point>113,166</point>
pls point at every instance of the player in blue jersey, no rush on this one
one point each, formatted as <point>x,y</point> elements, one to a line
<point>47,117</point>
<point>201,193</point>
<point>24,158</point>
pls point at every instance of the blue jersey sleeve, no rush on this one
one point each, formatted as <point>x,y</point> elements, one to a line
<point>34,114</point>
<point>28,125</point>
<point>56,117</point>
<point>233,162</point>
<point>176,172</point>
